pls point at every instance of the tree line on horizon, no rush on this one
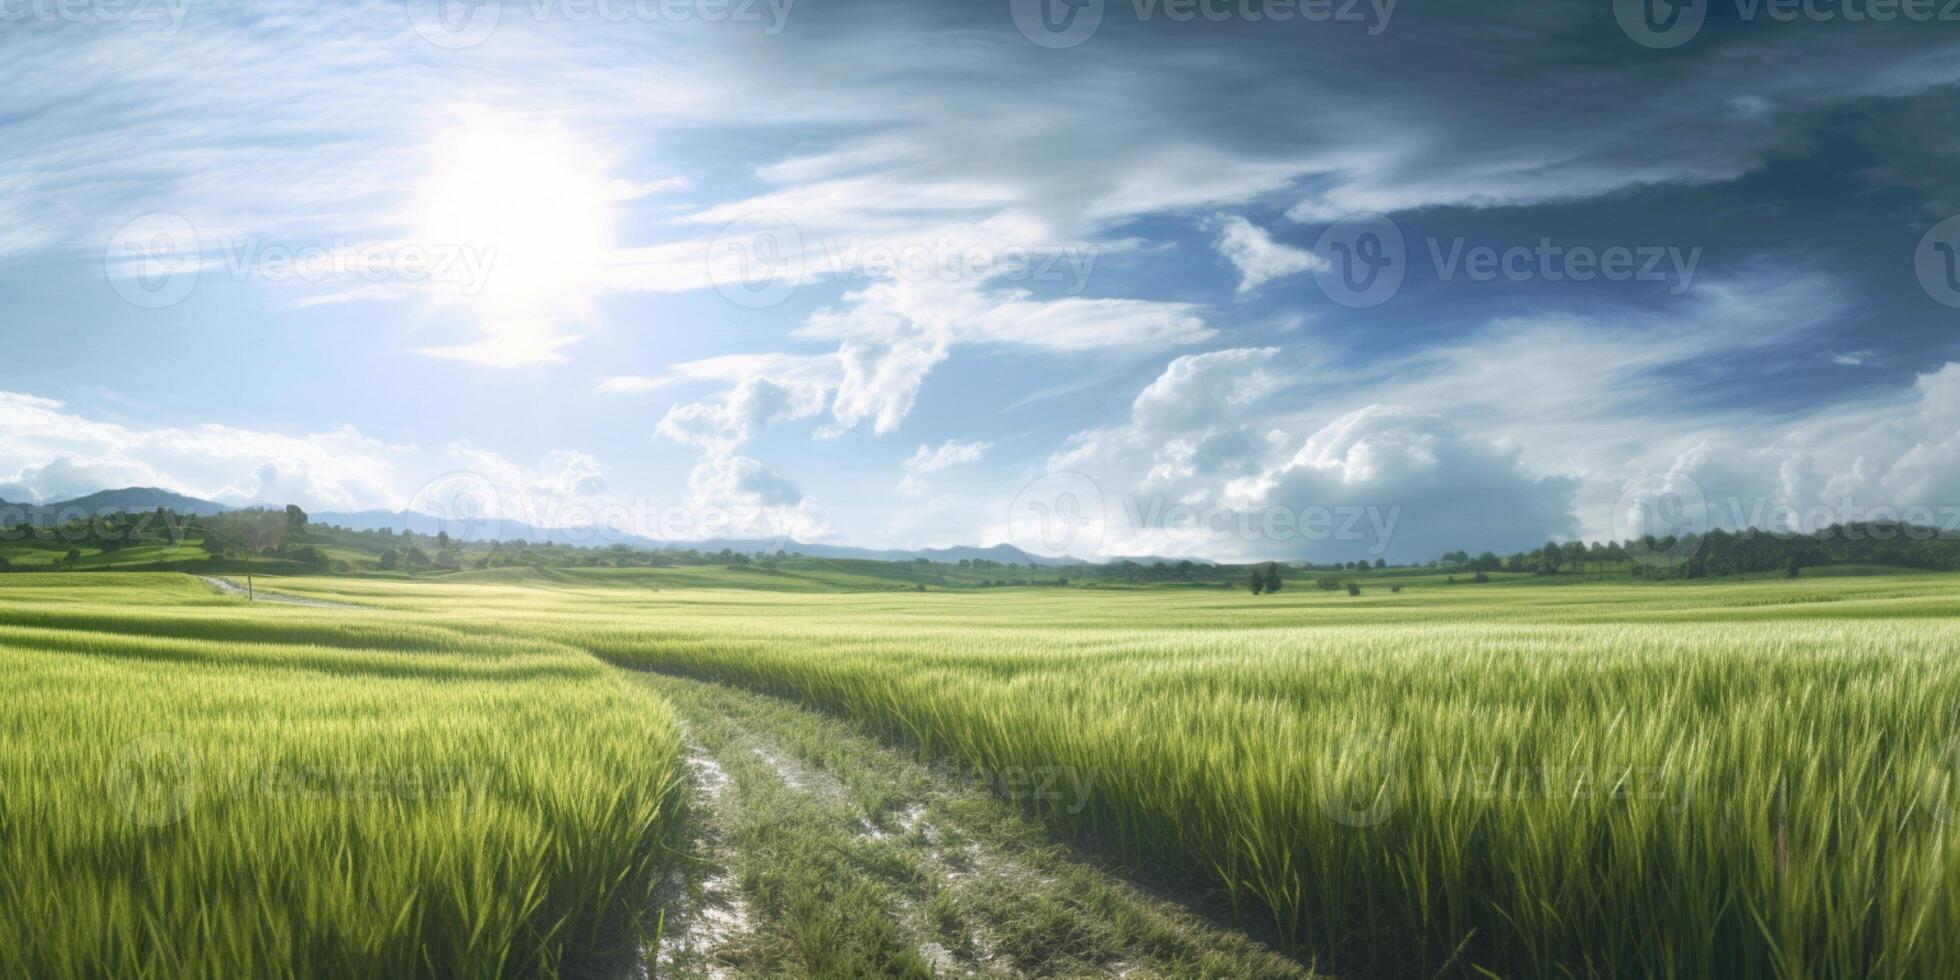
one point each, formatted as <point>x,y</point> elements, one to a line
<point>289,535</point>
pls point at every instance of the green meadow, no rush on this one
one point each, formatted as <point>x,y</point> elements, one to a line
<point>467,775</point>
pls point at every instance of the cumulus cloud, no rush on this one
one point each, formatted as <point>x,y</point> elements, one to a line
<point>1258,258</point>
<point>1897,457</point>
<point>568,473</point>
<point>744,498</point>
<point>1201,389</point>
<point>1426,485</point>
<point>567,488</point>
<point>1198,469</point>
<point>49,452</point>
<point>742,412</point>
<point>740,481</point>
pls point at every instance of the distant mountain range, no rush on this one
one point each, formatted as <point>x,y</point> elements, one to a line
<point>601,537</point>
<point>125,501</point>
<point>137,499</point>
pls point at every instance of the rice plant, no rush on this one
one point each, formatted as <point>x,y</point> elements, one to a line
<point>1751,779</point>
<point>1746,780</point>
<point>193,787</point>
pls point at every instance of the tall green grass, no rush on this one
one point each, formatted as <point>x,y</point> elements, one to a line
<point>1734,781</point>
<point>193,787</point>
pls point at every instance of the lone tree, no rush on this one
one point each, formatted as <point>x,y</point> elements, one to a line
<point>246,532</point>
<point>1258,583</point>
<point>1272,578</point>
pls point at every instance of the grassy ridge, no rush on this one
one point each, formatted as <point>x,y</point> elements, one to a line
<point>193,787</point>
<point>1727,780</point>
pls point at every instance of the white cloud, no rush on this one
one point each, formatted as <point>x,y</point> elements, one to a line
<point>569,473</point>
<point>742,412</point>
<point>508,344</point>
<point>48,452</point>
<point>882,378</point>
<point>952,452</point>
<point>1209,465</point>
<point>1896,456</point>
<point>1201,389</point>
<point>730,369</point>
<point>740,481</point>
<point>890,336</point>
<point>744,498</point>
<point>1258,258</point>
<point>929,459</point>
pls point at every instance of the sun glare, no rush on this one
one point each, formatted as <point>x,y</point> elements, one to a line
<point>529,205</point>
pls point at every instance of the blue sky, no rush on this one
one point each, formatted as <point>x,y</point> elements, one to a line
<point>920,274</point>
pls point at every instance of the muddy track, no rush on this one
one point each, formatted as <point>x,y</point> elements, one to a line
<point>230,588</point>
<point>813,850</point>
<point>819,851</point>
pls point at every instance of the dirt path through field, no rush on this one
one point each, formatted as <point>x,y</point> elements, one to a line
<point>228,587</point>
<point>819,852</point>
<point>813,850</point>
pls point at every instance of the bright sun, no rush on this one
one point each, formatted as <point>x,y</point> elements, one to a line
<point>530,206</point>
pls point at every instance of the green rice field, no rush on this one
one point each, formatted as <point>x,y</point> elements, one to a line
<point>469,778</point>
